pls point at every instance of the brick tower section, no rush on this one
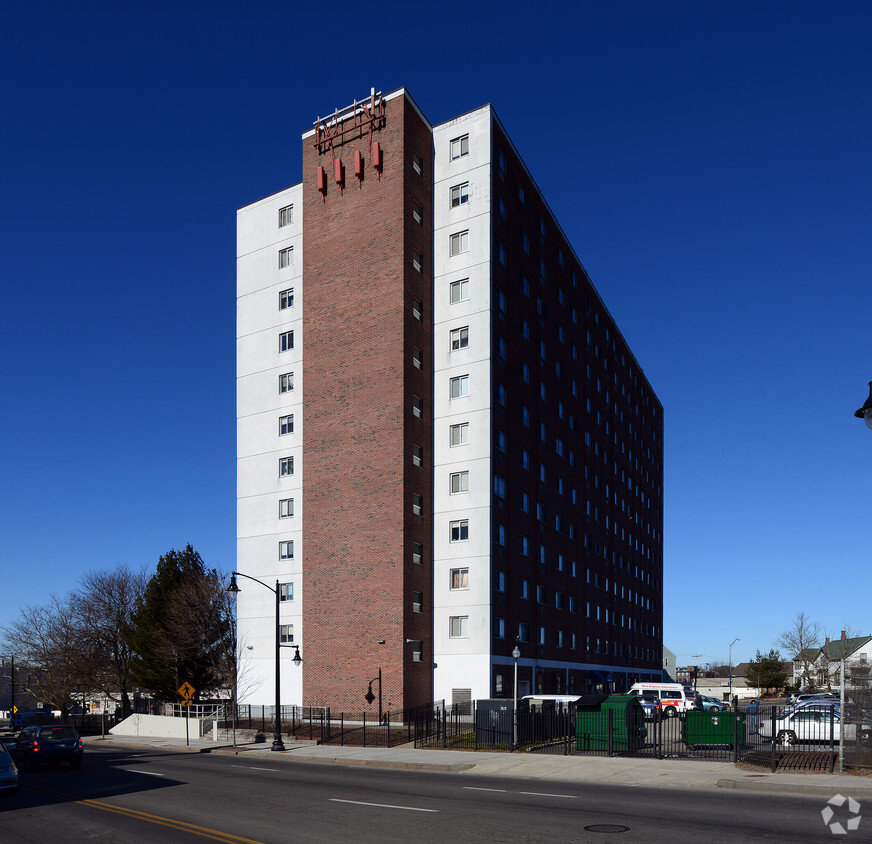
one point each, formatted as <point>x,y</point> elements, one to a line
<point>367,372</point>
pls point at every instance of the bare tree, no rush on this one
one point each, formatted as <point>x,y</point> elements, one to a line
<point>801,643</point>
<point>105,611</point>
<point>47,641</point>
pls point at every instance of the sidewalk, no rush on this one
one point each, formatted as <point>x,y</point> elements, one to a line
<point>683,774</point>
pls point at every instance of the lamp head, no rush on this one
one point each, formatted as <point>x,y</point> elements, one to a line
<point>865,412</point>
<point>233,588</point>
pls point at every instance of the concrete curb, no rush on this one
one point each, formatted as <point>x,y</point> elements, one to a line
<point>796,788</point>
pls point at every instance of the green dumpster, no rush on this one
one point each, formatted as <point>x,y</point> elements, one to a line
<point>707,728</point>
<point>627,719</point>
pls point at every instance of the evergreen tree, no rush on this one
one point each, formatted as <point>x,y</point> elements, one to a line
<point>180,628</point>
<point>766,671</point>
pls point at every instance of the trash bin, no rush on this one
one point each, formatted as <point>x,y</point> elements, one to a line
<point>628,724</point>
<point>707,728</point>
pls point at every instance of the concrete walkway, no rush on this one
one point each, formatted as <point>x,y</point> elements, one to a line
<point>687,774</point>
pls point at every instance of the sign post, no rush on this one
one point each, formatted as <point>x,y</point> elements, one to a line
<point>186,690</point>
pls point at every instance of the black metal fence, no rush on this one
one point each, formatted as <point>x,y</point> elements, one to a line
<point>317,723</point>
<point>774,736</point>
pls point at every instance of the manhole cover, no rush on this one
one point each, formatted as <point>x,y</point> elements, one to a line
<point>607,827</point>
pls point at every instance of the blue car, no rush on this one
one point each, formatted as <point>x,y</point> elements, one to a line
<point>47,744</point>
<point>8,774</point>
<point>710,704</point>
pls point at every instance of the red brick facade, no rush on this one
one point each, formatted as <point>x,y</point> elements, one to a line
<point>362,334</point>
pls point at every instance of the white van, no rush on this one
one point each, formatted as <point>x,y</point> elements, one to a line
<point>673,697</point>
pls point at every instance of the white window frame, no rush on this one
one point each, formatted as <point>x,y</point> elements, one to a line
<point>459,338</point>
<point>286,549</point>
<point>286,634</point>
<point>458,434</point>
<point>459,147</point>
<point>286,382</point>
<point>286,257</point>
<point>457,528</point>
<point>286,299</point>
<point>458,627</point>
<point>458,579</point>
<point>459,291</point>
<point>459,483</point>
<point>459,387</point>
<point>459,195</point>
<point>286,467</point>
<point>458,243</point>
<point>286,425</point>
<point>286,341</point>
<point>286,508</point>
<point>286,216</point>
<point>286,592</point>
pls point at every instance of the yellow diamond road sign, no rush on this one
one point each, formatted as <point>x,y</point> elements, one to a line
<point>186,690</point>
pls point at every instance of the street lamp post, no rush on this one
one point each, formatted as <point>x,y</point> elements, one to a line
<point>865,412</point>
<point>277,744</point>
<point>11,689</point>
<point>737,639</point>
<point>516,655</point>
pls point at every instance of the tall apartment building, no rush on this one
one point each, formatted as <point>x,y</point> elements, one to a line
<point>445,445</point>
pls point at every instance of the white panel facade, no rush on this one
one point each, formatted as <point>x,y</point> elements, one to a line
<point>462,349</point>
<point>268,394</point>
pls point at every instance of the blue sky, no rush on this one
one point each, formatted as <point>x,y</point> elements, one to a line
<point>709,162</point>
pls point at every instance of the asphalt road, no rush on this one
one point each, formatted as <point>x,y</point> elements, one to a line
<point>122,795</point>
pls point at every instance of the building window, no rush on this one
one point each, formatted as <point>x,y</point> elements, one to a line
<point>417,358</point>
<point>458,626</point>
<point>540,595</point>
<point>418,456</point>
<point>286,425</point>
<point>286,508</point>
<point>417,213</point>
<point>499,581</point>
<point>524,589</point>
<point>417,651</point>
<point>459,434</point>
<point>459,242</point>
<point>417,553</point>
<point>499,487</point>
<point>525,242</point>
<point>417,261</point>
<point>417,309</point>
<point>286,382</point>
<point>286,216</point>
<point>501,164</point>
<point>459,482</point>
<point>286,257</point>
<point>286,299</point>
<point>501,207</point>
<point>417,164</point>
<point>459,338</point>
<point>523,502</point>
<point>500,440</point>
<point>417,602</point>
<point>501,254</point>
<point>286,341</point>
<point>540,636</point>
<point>417,407</point>
<point>459,291</point>
<point>286,467</point>
<point>417,504</point>
<point>460,578</point>
<point>286,634</point>
<point>499,628</point>
<point>286,550</point>
<point>499,535</point>
<point>286,591</point>
<point>459,530</point>
<point>459,147</point>
<point>460,195</point>
<point>460,386</point>
<point>523,631</point>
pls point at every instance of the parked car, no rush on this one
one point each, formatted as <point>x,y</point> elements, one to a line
<point>712,704</point>
<point>810,724</point>
<point>694,700</point>
<point>47,743</point>
<point>8,773</point>
<point>650,703</point>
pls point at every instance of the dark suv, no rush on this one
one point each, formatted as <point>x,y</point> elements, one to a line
<point>45,743</point>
